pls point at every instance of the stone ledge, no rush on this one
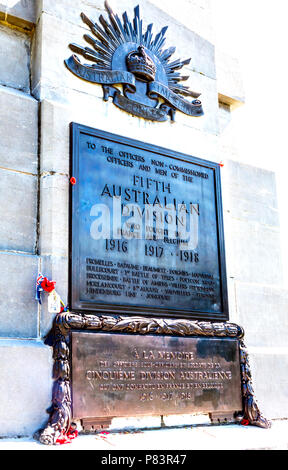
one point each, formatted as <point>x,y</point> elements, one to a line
<point>21,14</point>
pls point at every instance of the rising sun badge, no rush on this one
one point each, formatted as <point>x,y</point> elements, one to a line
<point>133,68</point>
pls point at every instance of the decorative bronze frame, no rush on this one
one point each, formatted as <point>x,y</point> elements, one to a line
<point>60,411</point>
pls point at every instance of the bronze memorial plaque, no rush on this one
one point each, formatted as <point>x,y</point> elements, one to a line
<point>146,230</point>
<point>116,375</point>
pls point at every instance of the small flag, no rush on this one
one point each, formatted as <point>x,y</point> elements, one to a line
<point>39,289</point>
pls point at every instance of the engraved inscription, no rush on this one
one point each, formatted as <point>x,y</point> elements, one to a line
<point>113,374</point>
<point>145,231</point>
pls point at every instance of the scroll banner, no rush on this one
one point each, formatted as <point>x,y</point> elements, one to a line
<point>139,109</point>
<point>155,90</point>
<point>102,77</point>
<point>192,109</point>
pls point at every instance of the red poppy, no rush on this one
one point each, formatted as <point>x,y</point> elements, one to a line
<point>67,438</point>
<point>72,433</point>
<point>47,285</point>
<point>244,422</point>
<point>63,439</point>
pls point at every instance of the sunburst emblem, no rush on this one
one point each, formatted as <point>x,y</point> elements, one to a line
<point>122,55</point>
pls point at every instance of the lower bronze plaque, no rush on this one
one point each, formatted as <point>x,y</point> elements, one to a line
<point>128,375</point>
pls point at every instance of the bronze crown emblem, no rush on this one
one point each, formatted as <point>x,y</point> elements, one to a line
<point>141,65</point>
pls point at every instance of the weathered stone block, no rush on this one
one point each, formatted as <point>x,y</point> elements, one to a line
<point>250,183</point>
<point>254,211</point>
<point>253,252</point>
<point>242,206</point>
<point>262,312</point>
<point>251,224</point>
<point>55,120</point>
<point>229,80</point>
<point>269,375</point>
<point>15,54</point>
<point>66,11</point>
<point>25,387</point>
<point>18,131</point>
<point>196,15</point>
<point>19,213</point>
<point>18,307</point>
<point>54,214</point>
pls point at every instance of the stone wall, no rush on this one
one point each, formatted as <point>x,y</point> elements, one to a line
<point>25,382</point>
<point>39,97</point>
